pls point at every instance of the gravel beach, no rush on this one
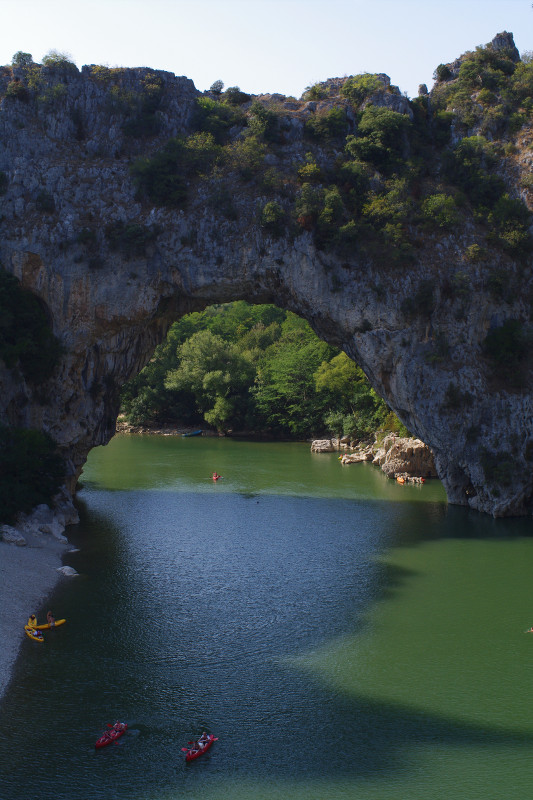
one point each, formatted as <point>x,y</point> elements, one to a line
<point>27,575</point>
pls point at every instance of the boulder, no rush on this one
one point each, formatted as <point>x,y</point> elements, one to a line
<point>363,454</point>
<point>406,457</point>
<point>324,445</point>
<point>12,536</point>
<point>69,572</point>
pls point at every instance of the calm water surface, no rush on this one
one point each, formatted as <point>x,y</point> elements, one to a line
<point>344,636</point>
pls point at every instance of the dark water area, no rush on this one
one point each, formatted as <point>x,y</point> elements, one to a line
<point>343,636</point>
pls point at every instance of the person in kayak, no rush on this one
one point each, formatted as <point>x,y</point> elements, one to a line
<point>119,726</point>
<point>216,476</point>
<point>51,620</point>
<point>32,622</point>
<point>203,739</point>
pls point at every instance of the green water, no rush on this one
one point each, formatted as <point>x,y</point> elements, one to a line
<point>344,636</point>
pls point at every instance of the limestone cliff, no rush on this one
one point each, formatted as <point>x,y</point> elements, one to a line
<point>115,268</point>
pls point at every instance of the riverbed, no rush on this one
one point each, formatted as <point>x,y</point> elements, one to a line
<point>344,636</point>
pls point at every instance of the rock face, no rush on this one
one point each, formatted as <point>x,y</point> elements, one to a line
<point>66,157</point>
<point>406,457</point>
<point>324,445</point>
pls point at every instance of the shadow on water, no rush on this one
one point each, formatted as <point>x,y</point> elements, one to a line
<point>238,616</point>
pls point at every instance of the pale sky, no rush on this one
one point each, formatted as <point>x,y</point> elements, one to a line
<point>264,45</point>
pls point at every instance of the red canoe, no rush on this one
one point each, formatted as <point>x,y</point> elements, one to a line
<point>192,754</point>
<point>110,736</point>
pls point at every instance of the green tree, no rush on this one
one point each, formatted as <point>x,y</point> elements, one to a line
<point>21,59</point>
<point>285,390</point>
<point>440,210</point>
<point>213,371</point>
<point>381,138</point>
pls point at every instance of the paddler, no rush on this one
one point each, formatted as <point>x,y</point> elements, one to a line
<point>32,622</point>
<point>51,620</point>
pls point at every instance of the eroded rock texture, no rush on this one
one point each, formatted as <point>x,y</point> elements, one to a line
<point>66,154</point>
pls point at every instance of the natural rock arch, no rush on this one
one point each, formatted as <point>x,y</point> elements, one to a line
<point>110,305</point>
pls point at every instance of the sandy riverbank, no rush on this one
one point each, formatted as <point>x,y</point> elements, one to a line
<point>27,576</point>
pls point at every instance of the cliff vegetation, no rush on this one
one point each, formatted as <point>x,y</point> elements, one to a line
<point>399,229</point>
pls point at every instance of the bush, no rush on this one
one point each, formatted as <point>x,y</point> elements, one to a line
<point>310,171</point>
<point>31,471</point>
<point>216,118</point>
<point>235,97</point>
<point>17,91</point>
<point>59,60</point>
<point>354,177</point>
<point>246,156</point>
<point>21,59</point>
<point>359,87</point>
<point>273,217</point>
<point>442,73</point>
<point>308,205</point>
<point>264,123</point>
<point>315,92</point>
<point>474,253</point>
<point>327,125</point>
<point>470,165</point>
<point>331,216</point>
<point>381,138</point>
<point>487,97</point>
<point>510,220</point>
<point>440,210</point>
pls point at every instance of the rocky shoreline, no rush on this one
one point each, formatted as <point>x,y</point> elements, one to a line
<point>402,458</point>
<point>31,564</point>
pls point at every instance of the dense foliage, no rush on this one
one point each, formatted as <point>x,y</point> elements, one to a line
<point>378,165</point>
<point>31,471</point>
<point>254,368</point>
<point>26,339</point>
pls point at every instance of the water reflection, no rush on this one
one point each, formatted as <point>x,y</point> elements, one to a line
<point>341,647</point>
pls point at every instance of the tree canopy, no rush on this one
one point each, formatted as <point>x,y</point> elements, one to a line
<point>257,369</point>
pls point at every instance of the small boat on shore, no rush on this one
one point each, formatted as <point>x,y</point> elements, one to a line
<point>193,752</point>
<point>192,433</point>
<point>48,626</point>
<point>33,634</point>
<point>110,736</point>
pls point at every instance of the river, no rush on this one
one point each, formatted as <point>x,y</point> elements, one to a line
<point>345,637</point>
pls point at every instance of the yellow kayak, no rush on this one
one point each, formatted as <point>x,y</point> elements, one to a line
<point>33,634</point>
<point>46,626</point>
